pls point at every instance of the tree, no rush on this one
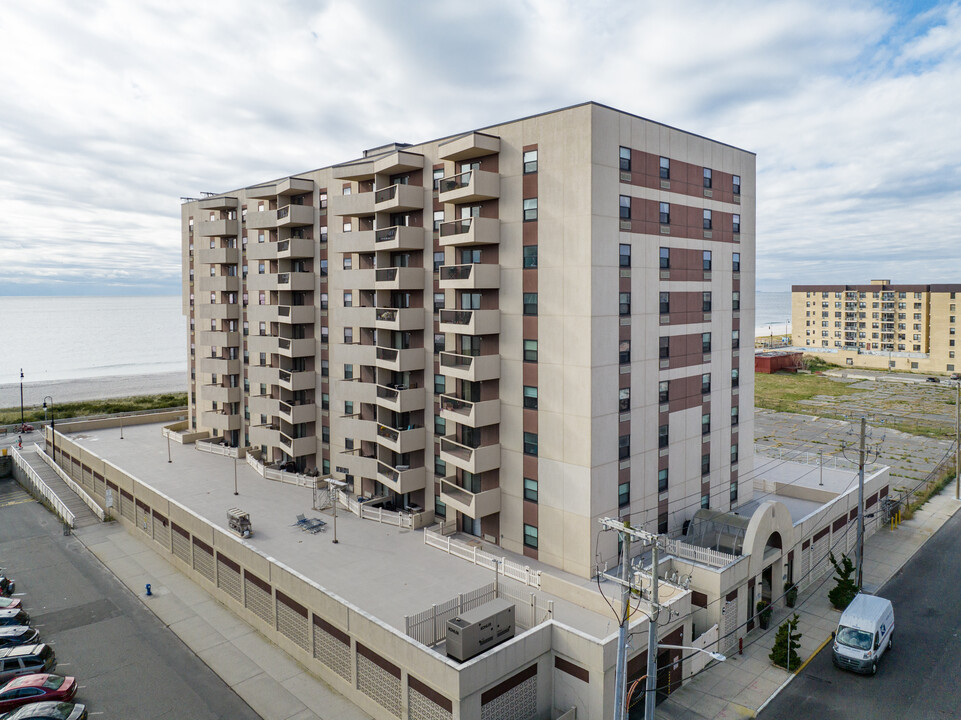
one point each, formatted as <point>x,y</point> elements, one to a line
<point>786,643</point>
<point>844,591</point>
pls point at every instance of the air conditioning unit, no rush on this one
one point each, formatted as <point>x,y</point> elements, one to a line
<point>480,629</point>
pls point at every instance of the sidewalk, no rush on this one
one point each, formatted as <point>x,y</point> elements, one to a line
<point>267,679</point>
<point>739,686</point>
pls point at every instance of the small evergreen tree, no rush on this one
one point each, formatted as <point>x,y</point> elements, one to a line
<point>786,643</point>
<point>844,591</point>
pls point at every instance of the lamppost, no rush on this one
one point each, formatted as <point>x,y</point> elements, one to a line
<point>235,477</point>
<point>21,399</point>
<point>53,427</point>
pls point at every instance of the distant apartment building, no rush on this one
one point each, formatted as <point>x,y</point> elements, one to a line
<point>522,328</point>
<point>878,325</point>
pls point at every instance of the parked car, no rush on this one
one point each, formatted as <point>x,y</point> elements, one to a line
<point>934,379</point>
<point>865,631</point>
<point>26,660</point>
<point>25,428</point>
<point>36,688</point>
<point>14,616</point>
<point>6,602</point>
<point>48,711</point>
<point>956,376</point>
<point>18,635</point>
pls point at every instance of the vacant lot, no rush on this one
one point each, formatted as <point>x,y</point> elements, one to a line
<point>9,416</point>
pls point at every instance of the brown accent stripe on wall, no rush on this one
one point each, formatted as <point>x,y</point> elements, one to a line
<point>382,663</point>
<point>507,685</point>
<point>228,562</point>
<point>262,584</point>
<point>430,693</point>
<point>179,530</point>
<point>571,669</point>
<point>331,630</point>
<point>292,604</point>
<point>203,546</point>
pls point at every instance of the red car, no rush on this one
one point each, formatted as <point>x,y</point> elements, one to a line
<point>33,688</point>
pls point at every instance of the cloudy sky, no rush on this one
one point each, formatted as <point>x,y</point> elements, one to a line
<point>112,110</point>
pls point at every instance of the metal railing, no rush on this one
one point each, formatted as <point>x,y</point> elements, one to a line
<point>43,490</point>
<point>503,566</point>
<point>89,501</point>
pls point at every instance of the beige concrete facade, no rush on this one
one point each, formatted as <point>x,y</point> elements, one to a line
<point>523,328</point>
<point>880,325</point>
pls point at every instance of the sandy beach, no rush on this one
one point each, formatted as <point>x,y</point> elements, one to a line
<point>111,386</point>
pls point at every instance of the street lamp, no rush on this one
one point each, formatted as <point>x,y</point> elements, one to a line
<point>53,427</point>
<point>21,399</point>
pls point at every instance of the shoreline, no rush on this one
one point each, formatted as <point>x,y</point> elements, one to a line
<point>92,388</point>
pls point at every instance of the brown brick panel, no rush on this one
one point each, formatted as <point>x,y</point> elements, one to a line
<point>256,581</point>
<point>687,308</point>
<point>430,694</point>
<point>698,599</point>
<point>292,604</point>
<point>203,546</point>
<point>686,222</point>
<point>530,511</point>
<point>685,393</point>
<point>507,685</point>
<point>380,662</point>
<point>228,562</point>
<point>821,533</point>
<point>159,518</point>
<point>839,523</point>
<point>179,530</point>
<point>686,179</point>
<point>571,669</point>
<point>333,631</point>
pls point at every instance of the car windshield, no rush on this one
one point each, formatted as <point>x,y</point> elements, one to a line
<point>857,639</point>
<point>51,710</point>
<point>53,682</point>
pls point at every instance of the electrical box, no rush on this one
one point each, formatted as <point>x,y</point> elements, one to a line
<point>480,629</point>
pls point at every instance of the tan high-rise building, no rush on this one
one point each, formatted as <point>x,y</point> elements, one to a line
<point>521,328</point>
<point>878,325</point>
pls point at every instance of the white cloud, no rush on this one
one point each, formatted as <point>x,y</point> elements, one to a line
<point>113,110</point>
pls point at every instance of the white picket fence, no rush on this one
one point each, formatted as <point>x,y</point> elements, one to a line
<point>508,568</point>
<point>42,489</point>
<point>705,556</point>
<point>365,512</point>
<point>214,448</point>
<point>283,476</point>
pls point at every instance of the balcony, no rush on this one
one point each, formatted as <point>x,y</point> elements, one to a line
<point>218,256</point>
<point>219,366</point>
<point>400,360</point>
<point>357,465</point>
<point>399,237</point>
<point>398,162</point>
<point>360,430</point>
<point>218,311</point>
<point>356,354</point>
<point>287,186</point>
<point>475,368</point>
<point>354,205</point>
<point>261,219</point>
<point>296,414</point>
<point>217,228</point>
<point>471,145</point>
<point>296,347</point>
<point>402,479</point>
<point>470,186</point>
<point>358,241</point>
<point>397,198</point>
<point>470,277</point>
<point>475,505</point>
<point>220,394</point>
<point>357,171</point>
<point>470,322</point>
<point>300,380</point>
<point>294,247</point>
<point>219,420</point>
<point>298,281</point>
<point>358,316</point>
<point>262,375</point>
<point>401,441</point>
<point>224,202</point>
<point>218,283</point>
<point>257,344</point>
<point>359,392</point>
<point>473,460</point>
<point>399,278</point>
<point>298,447</point>
<point>470,231</point>
<point>473,414</point>
<point>400,318</point>
<point>215,338</point>
<point>400,398</point>
<point>295,215</point>
<point>295,314</point>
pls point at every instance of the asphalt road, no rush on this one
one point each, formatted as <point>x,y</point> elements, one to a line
<point>127,663</point>
<point>919,677</point>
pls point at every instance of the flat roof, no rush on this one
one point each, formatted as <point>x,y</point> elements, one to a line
<point>384,570</point>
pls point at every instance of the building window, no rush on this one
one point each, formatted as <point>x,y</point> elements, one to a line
<point>664,303</point>
<point>440,384</point>
<point>348,335</point>
<point>736,184</point>
<point>261,268</point>
<point>438,219</point>
<point>440,507</point>
<point>734,415</point>
<point>324,368</point>
<point>624,156</point>
<point>440,426</point>
<point>707,177</point>
<point>624,447</point>
<point>706,302</point>
<point>530,490</point>
<point>348,372</point>
<point>530,351</point>
<point>438,301</point>
<point>706,424</point>
<point>706,384</point>
<point>664,348</point>
<point>663,391</point>
<point>705,464</point>
<point>736,223</point>
<point>706,342</point>
<point>736,300</point>
<point>440,467</point>
<point>734,453</point>
<point>530,536</point>
<point>707,219</point>
<point>439,341</point>
<point>662,523</point>
<point>530,162</point>
<point>665,258</point>
<point>624,304</point>
<point>530,443</point>
<point>530,209</point>
<point>662,436</point>
<point>624,352</point>
<point>625,207</point>
<point>735,377</point>
<point>623,494</point>
<point>662,480</point>
<point>736,262</point>
<point>665,170</point>
<point>530,303</point>
<point>325,434</point>
<point>324,401</point>
<point>530,397</point>
<point>624,253</point>
<point>624,399</point>
<point>707,260</point>
<point>664,213</point>
<point>323,268</point>
<point>323,301</point>
<point>530,256</point>
<point>348,299</point>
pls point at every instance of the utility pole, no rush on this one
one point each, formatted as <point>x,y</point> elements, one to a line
<point>821,467</point>
<point>957,443</point>
<point>651,695</point>
<point>620,669</point>
<point>860,549</point>
<point>21,399</point>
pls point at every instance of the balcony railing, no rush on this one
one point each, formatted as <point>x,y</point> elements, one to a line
<point>455,182</point>
<point>385,194</point>
<point>456,227</point>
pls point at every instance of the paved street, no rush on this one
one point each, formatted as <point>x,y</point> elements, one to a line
<point>128,664</point>
<point>918,679</point>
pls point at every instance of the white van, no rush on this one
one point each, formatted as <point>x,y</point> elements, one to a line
<point>865,631</point>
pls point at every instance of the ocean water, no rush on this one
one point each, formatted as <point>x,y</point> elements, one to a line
<point>772,313</point>
<point>64,338</point>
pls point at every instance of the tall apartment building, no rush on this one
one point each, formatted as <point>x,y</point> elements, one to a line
<point>879,325</point>
<point>522,328</point>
